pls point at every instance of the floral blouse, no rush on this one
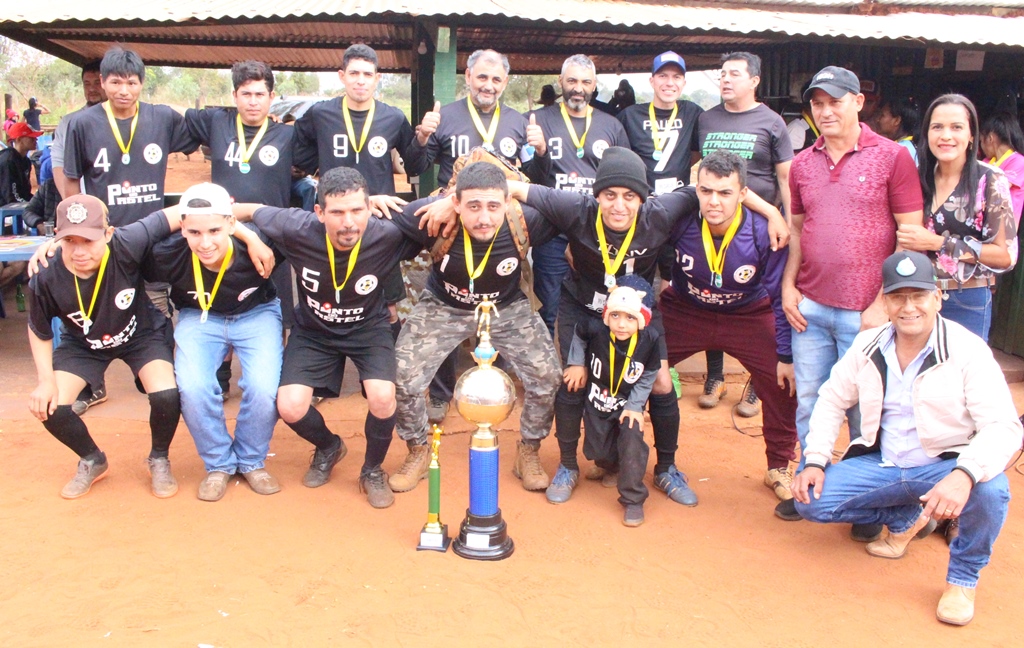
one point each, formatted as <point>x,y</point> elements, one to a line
<point>993,210</point>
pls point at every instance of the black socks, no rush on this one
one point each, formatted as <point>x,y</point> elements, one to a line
<point>665,420</point>
<point>164,414</point>
<point>69,428</point>
<point>378,440</point>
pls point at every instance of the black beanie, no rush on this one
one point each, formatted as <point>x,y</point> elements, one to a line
<point>621,167</point>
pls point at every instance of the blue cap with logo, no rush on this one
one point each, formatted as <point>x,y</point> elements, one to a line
<point>668,58</point>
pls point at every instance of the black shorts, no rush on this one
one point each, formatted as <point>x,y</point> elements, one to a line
<point>317,360</point>
<point>571,311</point>
<point>74,356</point>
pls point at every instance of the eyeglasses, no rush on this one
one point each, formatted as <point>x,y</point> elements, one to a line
<point>917,298</point>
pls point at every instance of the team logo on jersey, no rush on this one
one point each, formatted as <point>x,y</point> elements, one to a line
<point>508,266</point>
<point>77,213</point>
<point>269,155</point>
<point>744,273</point>
<point>636,369</point>
<point>507,147</point>
<point>366,284</point>
<point>245,293</point>
<point>124,298</point>
<point>599,148</point>
<point>153,153</point>
<point>378,146</point>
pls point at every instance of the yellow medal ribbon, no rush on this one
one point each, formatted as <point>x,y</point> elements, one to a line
<point>350,130</point>
<point>87,314</point>
<point>578,141</point>
<point>659,142</point>
<point>125,157</point>
<point>488,135</point>
<point>247,151</point>
<point>810,124</point>
<point>1002,158</point>
<point>716,258</point>
<point>467,245</point>
<point>197,273</point>
<point>612,267</point>
<point>351,265</point>
<point>625,365</point>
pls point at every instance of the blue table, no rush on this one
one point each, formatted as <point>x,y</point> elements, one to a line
<point>21,248</point>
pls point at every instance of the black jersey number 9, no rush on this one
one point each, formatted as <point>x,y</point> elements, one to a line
<point>341,146</point>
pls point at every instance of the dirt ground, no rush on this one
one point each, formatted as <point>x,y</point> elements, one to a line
<point>320,567</point>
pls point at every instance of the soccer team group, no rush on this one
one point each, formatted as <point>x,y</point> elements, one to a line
<point>602,205</point>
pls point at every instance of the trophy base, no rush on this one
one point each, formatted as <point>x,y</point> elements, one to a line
<point>434,541</point>
<point>483,538</point>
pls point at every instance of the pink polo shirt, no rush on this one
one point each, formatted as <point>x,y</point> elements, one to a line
<point>848,210</point>
<point>1013,167</point>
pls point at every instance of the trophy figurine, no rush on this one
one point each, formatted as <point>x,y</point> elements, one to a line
<point>484,395</point>
<point>434,536</point>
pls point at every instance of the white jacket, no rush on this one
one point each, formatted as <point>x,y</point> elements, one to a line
<point>962,405</point>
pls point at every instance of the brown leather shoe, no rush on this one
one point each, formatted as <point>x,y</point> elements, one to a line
<point>412,471</point>
<point>894,545</point>
<point>213,486</point>
<point>956,606</point>
<point>262,482</point>
<point>527,468</point>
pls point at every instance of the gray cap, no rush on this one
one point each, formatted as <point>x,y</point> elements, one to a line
<point>907,270</point>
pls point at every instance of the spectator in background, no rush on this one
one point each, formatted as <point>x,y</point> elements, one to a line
<point>1001,142</point>
<point>15,167</point>
<point>35,109</point>
<point>12,119</point>
<point>623,97</point>
<point>547,95</point>
<point>43,206</point>
<point>898,119</point>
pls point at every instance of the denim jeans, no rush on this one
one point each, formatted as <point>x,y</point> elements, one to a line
<point>860,491</point>
<point>830,332</point>
<point>970,308</point>
<point>256,338</point>
<point>549,268</point>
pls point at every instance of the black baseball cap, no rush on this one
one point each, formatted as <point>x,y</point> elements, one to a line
<point>907,270</point>
<point>834,80</point>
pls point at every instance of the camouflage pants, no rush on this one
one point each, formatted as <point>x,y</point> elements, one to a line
<point>433,329</point>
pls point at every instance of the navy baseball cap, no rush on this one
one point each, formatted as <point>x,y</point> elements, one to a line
<point>834,80</point>
<point>668,58</point>
<point>907,270</point>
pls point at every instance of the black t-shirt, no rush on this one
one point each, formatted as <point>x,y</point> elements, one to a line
<point>32,118</point>
<point>646,356</point>
<point>679,139</point>
<point>15,176</point>
<point>456,135</point>
<point>303,241</point>
<point>241,289</point>
<point>499,282</point>
<point>121,304</point>
<point>322,141</point>
<point>576,216</point>
<point>560,167</point>
<point>269,180</point>
<point>134,190</point>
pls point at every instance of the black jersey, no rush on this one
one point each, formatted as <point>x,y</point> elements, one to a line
<point>303,241</point>
<point>322,141</point>
<point>671,165</point>
<point>561,167</point>
<point>136,189</point>
<point>576,216</point>
<point>241,289</point>
<point>645,359</point>
<point>121,303</point>
<point>269,177</point>
<point>457,134</point>
<point>499,281</point>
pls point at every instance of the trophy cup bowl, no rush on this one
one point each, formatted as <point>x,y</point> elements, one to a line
<point>485,395</point>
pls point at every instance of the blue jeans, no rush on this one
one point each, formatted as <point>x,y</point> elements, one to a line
<point>830,332</point>
<point>970,308</point>
<point>549,268</point>
<point>860,491</point>
<point>256,338</point>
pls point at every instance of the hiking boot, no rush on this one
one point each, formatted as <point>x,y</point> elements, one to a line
<point>786,510</point>
<point>437,410</point>
<point>749,405</point>
<point>322,463</point>
<point>894,545</point>
<point>375,485</point>
<point>714,389</point>
<point>634,515</point>
<point>89,472</point>
<point>956,606</point>
<point>415,468</point>
<point>609,477</point>
<point>561,486</point>
<point>213,486</point>
<point>527,467</point>
<point>676,486</point>
<point>163,483</point>
<point>780,481</point>
<point>96,396</point>
<point>262,482</point>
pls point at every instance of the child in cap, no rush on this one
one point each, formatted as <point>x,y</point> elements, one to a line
<point>616,362</point>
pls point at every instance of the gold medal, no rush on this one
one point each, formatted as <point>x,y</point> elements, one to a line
<point>578,141</point>
<point>612,267</point>
<point>659,141</point>
<point>125,157</point>
<point>197,274</point>
<point>351,130</point>
<point>87,314</point>
<point>246,151</point>
<point>716,258</point>
<point>351,265</point>
<point>467,246</point>
<point>614,386</point>
<point>488,135</point>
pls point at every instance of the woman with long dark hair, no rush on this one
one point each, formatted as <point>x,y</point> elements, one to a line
<point>1001,142</point>
<point>969,230</point>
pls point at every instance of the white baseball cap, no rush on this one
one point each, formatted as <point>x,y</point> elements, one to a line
<point>209,198</point>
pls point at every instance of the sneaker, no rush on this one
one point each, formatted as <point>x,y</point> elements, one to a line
<point>97,396</point>
<point>780,481</point>
<point>894,545</point>
<point>163,482</point>
<point>634,515</point>
<point>437,410</point>
<point>375,485</point>
<point>322,463</point>
<point>786,510</point>
<point>213,486</point>
<point>527,467</point>
<point>316,400</point>
<point>561,486</point>
<point>415,468</point>
<point>262,482</point>
<point>749,405</point>
<point>89,472</point>
<point>676,486</point>
<point>714,389</point>
<point>609,477</point>
<point>956,606</point>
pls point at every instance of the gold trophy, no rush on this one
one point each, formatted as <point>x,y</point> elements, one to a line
<point>434,536</point>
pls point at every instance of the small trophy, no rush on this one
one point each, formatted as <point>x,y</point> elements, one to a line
<point>434,536</point>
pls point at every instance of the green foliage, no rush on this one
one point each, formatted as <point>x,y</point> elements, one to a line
<point>296,83</point>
